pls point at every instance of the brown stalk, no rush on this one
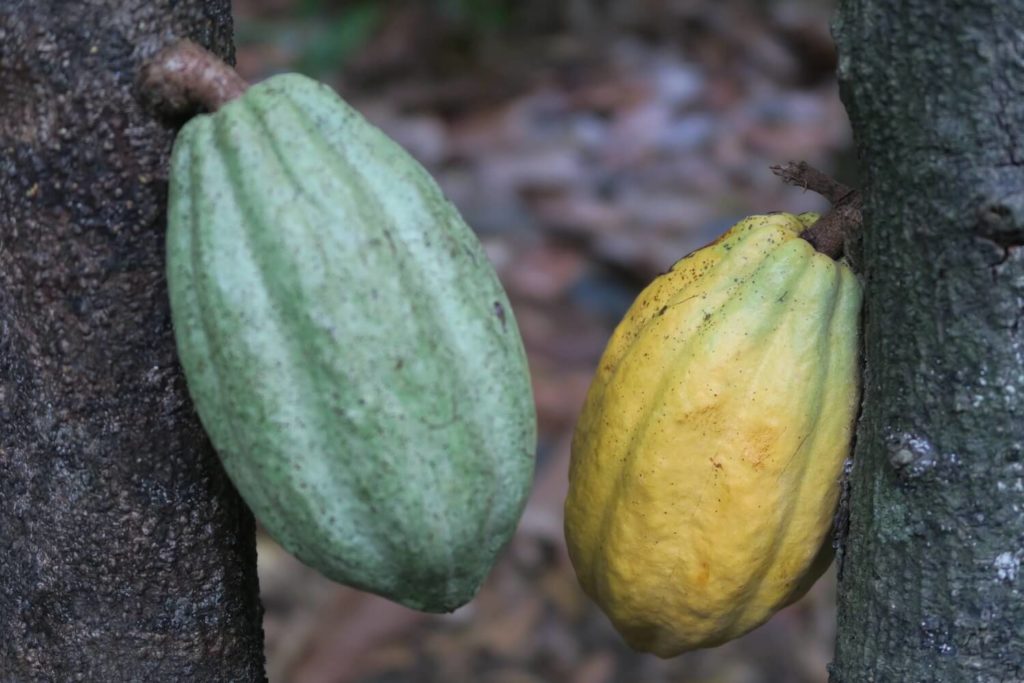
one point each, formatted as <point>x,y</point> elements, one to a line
<point>829,233</point>
<point>185,74</point>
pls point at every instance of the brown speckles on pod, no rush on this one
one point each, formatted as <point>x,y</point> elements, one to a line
<point>499,311</point>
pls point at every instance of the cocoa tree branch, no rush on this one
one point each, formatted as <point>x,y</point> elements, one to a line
<point>125,552</point>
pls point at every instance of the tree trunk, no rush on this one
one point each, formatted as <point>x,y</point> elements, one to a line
<point>125,554</point>
<point>930,588</point>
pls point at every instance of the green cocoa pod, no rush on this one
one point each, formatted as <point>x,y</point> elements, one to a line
<point>347,345</point>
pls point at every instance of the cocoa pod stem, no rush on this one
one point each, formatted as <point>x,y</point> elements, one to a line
<point>185,75</point>
<point>829,233</point>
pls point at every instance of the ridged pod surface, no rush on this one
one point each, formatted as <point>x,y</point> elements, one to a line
<point>347,345</point>
<point>706,463</point>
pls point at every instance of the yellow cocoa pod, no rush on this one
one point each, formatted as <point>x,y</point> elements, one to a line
<point>707,460</point>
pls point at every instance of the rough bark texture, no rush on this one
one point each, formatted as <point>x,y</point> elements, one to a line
<point>125,554</point>
<point>931,585</point>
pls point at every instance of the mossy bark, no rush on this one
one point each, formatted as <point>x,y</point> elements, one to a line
<point>125,554</point>
<point>931,582</point>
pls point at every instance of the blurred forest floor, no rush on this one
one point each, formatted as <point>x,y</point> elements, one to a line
<point>590,143</point>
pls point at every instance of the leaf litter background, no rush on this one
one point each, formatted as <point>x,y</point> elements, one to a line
<point>590,143</point>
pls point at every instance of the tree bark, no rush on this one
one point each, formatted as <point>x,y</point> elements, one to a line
<point>930,588</point>
<point>125,554</point>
